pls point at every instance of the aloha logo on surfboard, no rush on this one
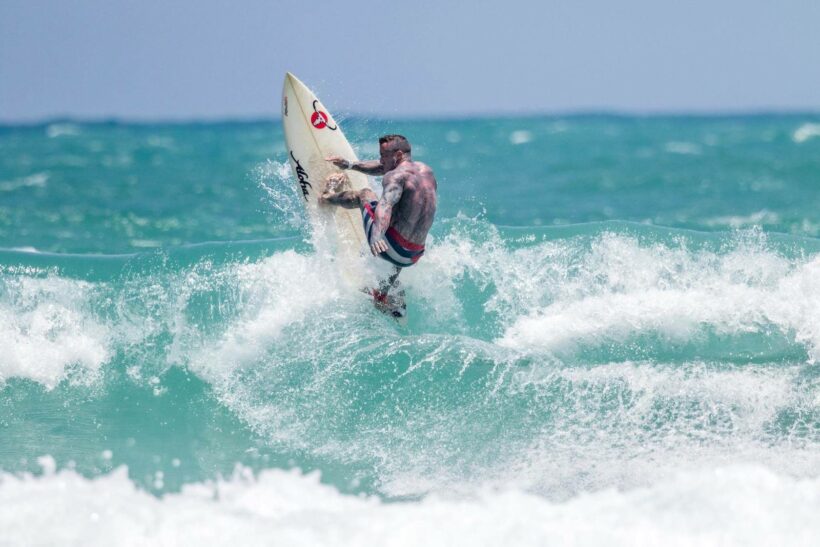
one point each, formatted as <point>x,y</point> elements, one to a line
<point>319,119</point>
<point>302,175</point>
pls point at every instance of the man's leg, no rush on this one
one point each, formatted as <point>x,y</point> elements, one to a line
<point>367,196</point>
<point>387,284</point>
<point>392,279</point>
<point>349,199</point>
<point>385,300</point>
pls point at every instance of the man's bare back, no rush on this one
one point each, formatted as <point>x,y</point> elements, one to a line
<point>400,221</point>
<point>415,210</point>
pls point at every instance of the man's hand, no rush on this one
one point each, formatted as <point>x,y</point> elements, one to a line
<point>378,247</point>
<point>339,162</point>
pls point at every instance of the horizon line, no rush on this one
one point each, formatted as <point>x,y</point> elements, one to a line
<point>269,118</point>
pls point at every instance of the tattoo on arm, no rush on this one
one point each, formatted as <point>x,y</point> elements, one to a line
<point>393,188</point>
<point>373,168</point>
<point>349,199</point>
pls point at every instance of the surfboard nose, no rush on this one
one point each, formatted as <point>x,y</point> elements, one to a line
<point>291,78</point>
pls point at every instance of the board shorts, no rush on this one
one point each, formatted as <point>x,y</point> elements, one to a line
<point>400,252</point>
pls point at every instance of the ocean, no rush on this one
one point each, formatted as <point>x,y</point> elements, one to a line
<point>613,339</point>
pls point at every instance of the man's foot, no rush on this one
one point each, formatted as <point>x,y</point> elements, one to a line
<point>336,182</point>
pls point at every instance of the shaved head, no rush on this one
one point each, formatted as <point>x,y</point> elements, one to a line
<point>395,143</point>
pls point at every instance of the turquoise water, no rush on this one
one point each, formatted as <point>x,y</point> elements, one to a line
<point>607,302</point>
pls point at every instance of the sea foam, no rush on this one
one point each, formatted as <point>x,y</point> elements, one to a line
<point>805,132</point>
<point>734,505</point>
<point>622,288</point>
<point>46,327</point>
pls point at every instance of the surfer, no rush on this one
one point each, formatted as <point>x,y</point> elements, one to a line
<point>396,225</point>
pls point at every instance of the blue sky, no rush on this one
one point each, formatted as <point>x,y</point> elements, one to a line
<point>186,59</point>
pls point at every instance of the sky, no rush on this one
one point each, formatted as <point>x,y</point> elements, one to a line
<point>181,60</point>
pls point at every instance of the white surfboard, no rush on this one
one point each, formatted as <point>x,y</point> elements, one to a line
<point>311,135</point>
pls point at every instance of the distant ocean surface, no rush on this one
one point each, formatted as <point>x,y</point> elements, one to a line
<point>613,338</point>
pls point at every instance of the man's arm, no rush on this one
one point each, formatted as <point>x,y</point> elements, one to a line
<point>393,186</point>
<point>373,168</point>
